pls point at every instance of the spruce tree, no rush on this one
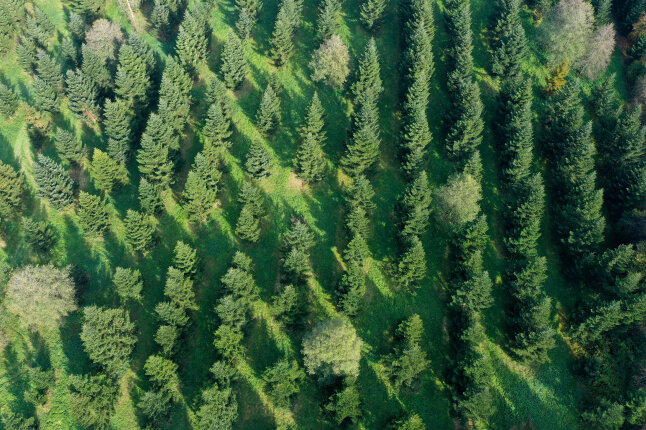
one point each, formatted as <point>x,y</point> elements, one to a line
<point>416,206</point>
<point>523,215</point>
<point>251,196</point>
<point>95,68</point>
<point>372,12</point>
<point>40,235</point>
<point>248,227</point>
<point>314,122</point>
<point>191,43</point>
<point>39,26</point>
<point>185,259</point>
<point>216,92</point>
<point>8,101</point>
<point>465,116</point>
<point>195,194</point>
<point>234,62</point>
<point>69,52</point>
<point>360,193</point>
<point>139,230</point>
<point>107,172</point>
<point>45,96</point>
<point>49,70</point>
<point>327,23</point>
<point>132,81</point>
<point>253,7</point>
<point>510,45</point>
<point>149,197</point>
<point>153,161</point>
<point>310,159</point>
<point>118,128</point>
<point>179,289</point>
<point>244,24</point>
<point>83,96</point>
<point>26,52</point>
<point>282,44</point>
<point>69,148</point>
<point>53,182</point>
<point>259,160</point>
<point>268,116</point>
<point>207,167</point>
<point>93,214</point>
<point>351,290</point>
<point>178,77</point>
<point>411,268</point>
<point>12,187</point>
<point>217,127</point>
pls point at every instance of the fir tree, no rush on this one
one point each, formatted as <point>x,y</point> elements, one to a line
<point>12,187</point>
<point>372,12</point>
<point>49,70</point>
<point>69,148</point>
<point>83,96</point>
<point>70,53</point>
<point>268,116</point>
<point>207,168</point>
<point>139,230</point>
<point>153,161</point>
<point>132,81</point>
<point>45,96</point>
<point>178,77</point>
<point>53,182</point>
<point>128,283</point>
<point>282,44</point>
<point>360,193</point>
<point>327,23</point>
<point>216,92</point>
<point>310,160</point>
<point>40,235</point>
<point>314,123</point>
<point>251,196</point>
<point>244,24</point>
<point>191,41</point>
<point>217,127</point>
<point>524,213</point>
<point>179,289</point>
<point>416,205</point>
<point>95,68</point>
<point>248,226</point>
<point>253,7</point>
<point>412,266</point>
<point>39,26</point>
<point>26,51</point>
<point>352,288</point>
<point>107,172</point>
<point>195,192</point>
<point>234,62</point>
<point>185,259</point>
<point>118,128</point>
<point>285,305</point>
<point>510,46</point>
<point>8,101</point>
<point>93,214</point>
<point>149,197</point>
<point>259,160</point>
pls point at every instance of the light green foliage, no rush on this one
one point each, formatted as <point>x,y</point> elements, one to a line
<point>332,349</point>
<point>139,230</point>
<point>127,283</point>
<point>107,173</point>
<point>108,338</point>
<point>93,214</point>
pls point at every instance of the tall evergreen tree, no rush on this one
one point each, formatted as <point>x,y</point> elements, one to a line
<point>191,41</point>
<point>234,62</point>
<point>372,12</point>
<point>282,44</point>
<point>268,116</point>
<point>83,96</point>
<point>118,128</point>
<point>12,187</point>
<point>132,81</point>
<point>95,67</point>
<point>107,172</point>
<point>250,195</point>
<point>412,266</point>
<point>153,161</point>
<point>93,213</point>
<point>149,197</point>
<point>45,96</point>
<point>8,101</point>
<point>69,148</point>
<point>259,160</point>
<point>416,206</point>
<point>217,127</point>
<point>49,70</point>
<point>139,230</point>
<point>53,182</point>
<point>310,159</point>
<point>327,23</point>
<point>510,42</point>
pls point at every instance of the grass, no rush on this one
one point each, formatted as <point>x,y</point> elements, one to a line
<point>546,395</point>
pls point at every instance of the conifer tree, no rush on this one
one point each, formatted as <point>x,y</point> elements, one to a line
<point>248,226</point>
<point>327,23</point>
<point>69,148</point>
<point>360,193</point>
<point>128,283</point>
<point>416,205</point>
<point>185,259</point>
<point>178,77</point>
<point>139,230</point>
<point>69,52</point>
<point>53,182</point>
<point>132,81</point>
<point>314,122</point>
<point>49,70</point>
<point>372,12</point>
<point>12,187</point>
<point>409,360</point>
<point>153,161</point>
<point>253,7</point>
<point>39,26</point>
<point>40,235</point>
<point>244,24</point>
<point>412,265</point>
<point>95,68</point>
<point>310,159</point>
<point>465,116</point>
<point>510,46</point>
<point>45,96</point>
<point>26,52</point>
<point>282,44</point>
<point>8,101</point>
<point>118,128</point>
<point>234,62</point>
<point>268,116</point>
<point>523,216</point>
<point>207,168</point>
<point>83,96</point>
<point>191,41</point>
<point>195,191</point>
<point>259,160</point>
<point>217,127</point>
<point>216,92</point>
<point>251,196</point>
<point>107,172</point>
<point>352,288</point>
<point>179,289</point>
<point>149,197</point>
<point>93,213</point>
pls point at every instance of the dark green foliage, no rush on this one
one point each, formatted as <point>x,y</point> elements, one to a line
<point>580,224</point>
<point>251,196</point>
<point>238,279</point>
<point>420,11</point>
<point>154,161</point>
<point>372,12</point>
<point>217,92</point>
<point>219,409</point>
<point>69,148</point>
<point>232,311</point>
<point>217,127</point>
<point>285,305</point>
<point>93,214</point>
<point>132,81</point>
<point>192,42</point>
<point>171,314</point>
<point>49,70</point>
<point>76,25</point>
<point>118,128</point>
<point>510,43</point>
<point>83,96</point>
<point>155,404</point>
<point>162,372</point>
<point>259,160</point>
<point>523,216</point>
<point>12,14</point>
<point>40,235</point>
<point>357,222</point>
<point>179,289</point>
<point>607,415</point>
<point>465,114</point>
<point>248,225</point>
<point>253,7</point>
<point>360,193</point>
<point>69,52</point>
<point>185,259</point>
<point>268,116</point>
<point>363,150</point>
<point>149,197</point>
<point>228,342</point>
<point>195,193</point>
<point>12,186</point>
<point>39,26</point>
<point>345,404</point>
<point>416,206</point>
<point>45,96</point>
<point>53,182</point>
<point>409,360</point>
<point>299,236</point>
<point>107,173</point>
<point>234,62</point>
<point>357,250</point>
<point>244,24</point>
<point>413,422</point>
<point>128,283</point>
<point>26,51</point>
<point>310,161</point>
<point>92,399</point>
<point>327,23</point>
<point>139,230</point>
<point>8,101</point>
<point>351,290</point>
<point>166,337</point>
<point>412,266</point>
<point>108,337</point>
<point>95,68</point>
<point>282,44</point>
<point>283,379</point>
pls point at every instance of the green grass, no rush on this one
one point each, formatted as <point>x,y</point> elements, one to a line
<point>546,395</point>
